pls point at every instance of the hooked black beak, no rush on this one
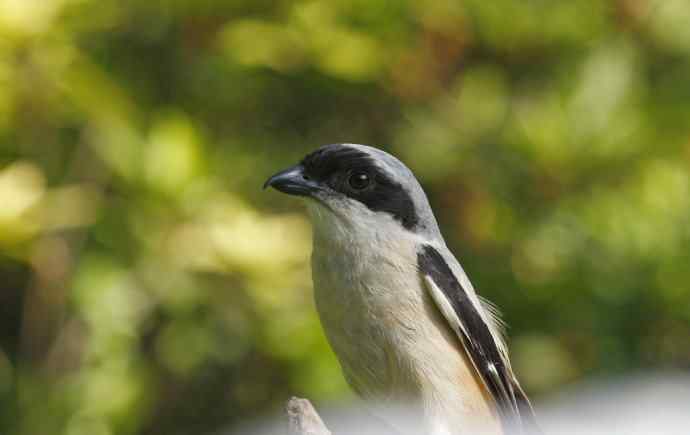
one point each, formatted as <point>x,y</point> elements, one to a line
<point>293,182</point>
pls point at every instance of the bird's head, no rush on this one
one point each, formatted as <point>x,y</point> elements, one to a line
<point>360,186</point>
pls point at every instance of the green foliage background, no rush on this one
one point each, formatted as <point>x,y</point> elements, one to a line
<point>148,285</point>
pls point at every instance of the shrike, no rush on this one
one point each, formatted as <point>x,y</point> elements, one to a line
<point>397,307</point>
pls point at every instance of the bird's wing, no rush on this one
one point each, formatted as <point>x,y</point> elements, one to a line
<point>478,334</point>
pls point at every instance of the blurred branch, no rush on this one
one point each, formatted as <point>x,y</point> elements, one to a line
<point>303,418</point>
<point>54,258</point>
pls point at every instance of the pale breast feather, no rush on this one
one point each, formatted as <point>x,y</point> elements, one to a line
<point>480,344</point>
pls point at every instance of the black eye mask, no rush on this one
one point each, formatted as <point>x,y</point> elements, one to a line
<point>334,165</point>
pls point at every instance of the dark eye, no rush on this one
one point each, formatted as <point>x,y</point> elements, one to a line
<point>358,180</point>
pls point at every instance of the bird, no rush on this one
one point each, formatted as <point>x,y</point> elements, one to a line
<point>396,306</point>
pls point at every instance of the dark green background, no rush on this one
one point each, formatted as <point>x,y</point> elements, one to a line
<point>148,285</point>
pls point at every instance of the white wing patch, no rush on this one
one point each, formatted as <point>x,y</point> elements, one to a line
<point>454,321</point>
<point>444,305</point>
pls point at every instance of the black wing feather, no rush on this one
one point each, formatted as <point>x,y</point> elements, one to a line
<point>480,344</point>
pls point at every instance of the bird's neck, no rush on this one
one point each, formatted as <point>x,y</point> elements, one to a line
<point>369,234</point>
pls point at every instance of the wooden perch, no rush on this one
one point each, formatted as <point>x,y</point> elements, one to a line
<point>303,418</point>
